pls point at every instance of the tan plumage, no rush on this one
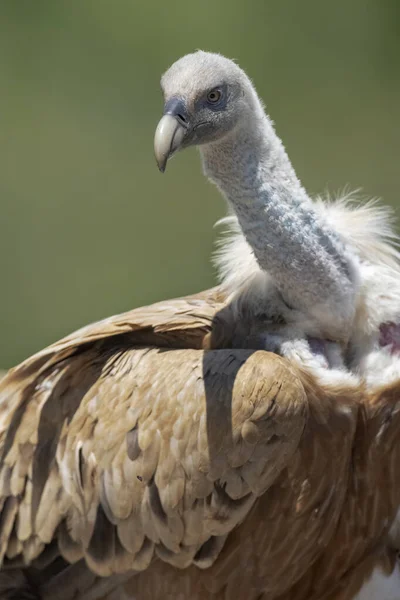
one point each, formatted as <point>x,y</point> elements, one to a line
<point>127,446</point>
<point>165,453</point>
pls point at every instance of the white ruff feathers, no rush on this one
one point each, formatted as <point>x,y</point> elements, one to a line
<point>368,232</point>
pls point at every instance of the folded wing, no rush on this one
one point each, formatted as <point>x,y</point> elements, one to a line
<point>127,440</point>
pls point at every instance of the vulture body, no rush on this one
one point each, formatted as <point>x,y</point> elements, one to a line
<point>241,443</point>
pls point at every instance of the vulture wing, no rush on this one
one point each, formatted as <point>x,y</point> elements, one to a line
<point>127,441</point>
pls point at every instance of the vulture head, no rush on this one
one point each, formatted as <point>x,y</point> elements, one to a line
<point>206,96</point>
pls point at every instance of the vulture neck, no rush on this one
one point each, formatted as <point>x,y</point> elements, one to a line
<point>307,261</point>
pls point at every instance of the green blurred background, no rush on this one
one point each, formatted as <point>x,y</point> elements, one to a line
<point>89,227</point>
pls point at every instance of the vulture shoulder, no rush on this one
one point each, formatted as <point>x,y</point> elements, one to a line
<point>127,440</point>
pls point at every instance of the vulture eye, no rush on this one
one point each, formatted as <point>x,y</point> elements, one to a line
<point>214,96</point>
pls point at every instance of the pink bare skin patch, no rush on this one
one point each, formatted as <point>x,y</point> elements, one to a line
<point>390,336</point>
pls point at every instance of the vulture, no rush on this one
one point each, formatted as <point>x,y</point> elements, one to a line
<point>241,443</point>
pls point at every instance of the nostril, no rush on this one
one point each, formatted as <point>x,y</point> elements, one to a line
<point>176,107</point>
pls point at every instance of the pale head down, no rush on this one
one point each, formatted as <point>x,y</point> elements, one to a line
<point>205,96</point>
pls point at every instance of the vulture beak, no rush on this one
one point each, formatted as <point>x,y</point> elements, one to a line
<point>170,131</point>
